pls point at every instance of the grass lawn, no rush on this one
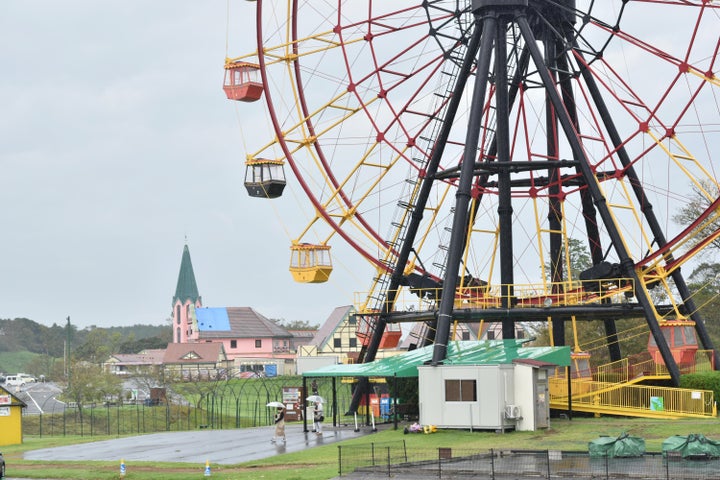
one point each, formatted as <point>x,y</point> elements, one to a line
<point>320,463</point>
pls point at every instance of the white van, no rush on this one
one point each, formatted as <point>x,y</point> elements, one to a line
<point>14,381</point>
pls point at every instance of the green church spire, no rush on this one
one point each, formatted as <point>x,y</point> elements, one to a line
<point>186,285</point>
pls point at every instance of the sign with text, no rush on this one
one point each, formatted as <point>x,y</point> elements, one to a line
<point>293,398</point>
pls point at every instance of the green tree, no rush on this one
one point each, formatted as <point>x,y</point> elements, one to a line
<point>96,348</point>
<point>704,282</point>
<point>89,383</point>
<point>702,195</point>
<point>42,366</point>
<point>579,260</point>
<point>296,324</point>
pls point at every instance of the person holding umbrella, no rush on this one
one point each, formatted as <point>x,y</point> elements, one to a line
<point>318,417</point>
<point>279,425</point>
<point>279,421</point>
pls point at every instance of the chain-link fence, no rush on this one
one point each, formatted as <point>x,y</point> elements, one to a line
<point>398,462</point>
<point>220,405</point>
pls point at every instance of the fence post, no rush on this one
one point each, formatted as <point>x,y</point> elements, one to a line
<point>388,462</point>
<point>439,464</point>
<point>547,459</point>
<point>340,460</point>
<point>405,450</point>
<point>607,466</point>
<point>492,464</point>
<point>372,453</point>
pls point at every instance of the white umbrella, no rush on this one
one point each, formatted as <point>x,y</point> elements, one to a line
<point>315,399</point>
<point>275,404</point>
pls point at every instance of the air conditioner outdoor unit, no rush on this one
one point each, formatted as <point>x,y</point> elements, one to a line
<point>512,412</point>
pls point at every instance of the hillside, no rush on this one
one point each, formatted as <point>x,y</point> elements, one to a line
<point>22,340</point>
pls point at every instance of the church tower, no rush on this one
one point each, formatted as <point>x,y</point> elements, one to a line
<point>185,301</point>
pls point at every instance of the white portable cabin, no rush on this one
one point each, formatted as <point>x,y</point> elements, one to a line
<point>485,397</point>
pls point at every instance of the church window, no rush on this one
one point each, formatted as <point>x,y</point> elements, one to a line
<point>177,314</point>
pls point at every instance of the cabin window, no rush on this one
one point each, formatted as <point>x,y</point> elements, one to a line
<point>353,343</point>
<point>337,342</point>
<point>258,343</point>
<point>460,390</point>
<point>233,343</point>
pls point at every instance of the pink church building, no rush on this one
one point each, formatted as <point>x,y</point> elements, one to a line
<point>248,338</point>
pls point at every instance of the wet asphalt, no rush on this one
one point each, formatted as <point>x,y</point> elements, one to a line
<point>219,447</point>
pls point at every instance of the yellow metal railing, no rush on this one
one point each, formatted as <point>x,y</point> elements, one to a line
<point>635,400</point>
<point>523,295</point>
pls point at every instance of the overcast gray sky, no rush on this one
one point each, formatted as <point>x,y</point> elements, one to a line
<point>117,145</point>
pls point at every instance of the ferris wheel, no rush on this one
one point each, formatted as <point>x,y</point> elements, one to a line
<point>464,147</point>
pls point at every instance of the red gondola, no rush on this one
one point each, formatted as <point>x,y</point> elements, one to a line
<point>242,81</point>
<point>680,337</point>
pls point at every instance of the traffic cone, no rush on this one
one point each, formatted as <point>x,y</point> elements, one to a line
<point>122,468</point>
<point>207,468</point>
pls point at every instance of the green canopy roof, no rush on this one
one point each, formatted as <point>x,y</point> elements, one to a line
<point>491,352</point>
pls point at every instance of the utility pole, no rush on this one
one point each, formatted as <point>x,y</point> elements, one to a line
<point>67,351</point>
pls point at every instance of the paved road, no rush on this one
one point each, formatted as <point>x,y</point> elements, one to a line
<point>40,397</point>
<point>222,447</point>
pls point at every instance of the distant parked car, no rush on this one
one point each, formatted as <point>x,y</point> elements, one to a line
<point>2,466</point>
<point>27,378</point>
<point>14,381</point>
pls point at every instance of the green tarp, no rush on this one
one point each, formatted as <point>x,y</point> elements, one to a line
<point>491,352</point>
<point>692,446</point>
<point>622,446</point>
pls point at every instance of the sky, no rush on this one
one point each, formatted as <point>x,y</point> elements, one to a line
<point>118,147</point>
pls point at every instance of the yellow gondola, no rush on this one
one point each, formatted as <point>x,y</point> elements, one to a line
<point>310,263</point>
